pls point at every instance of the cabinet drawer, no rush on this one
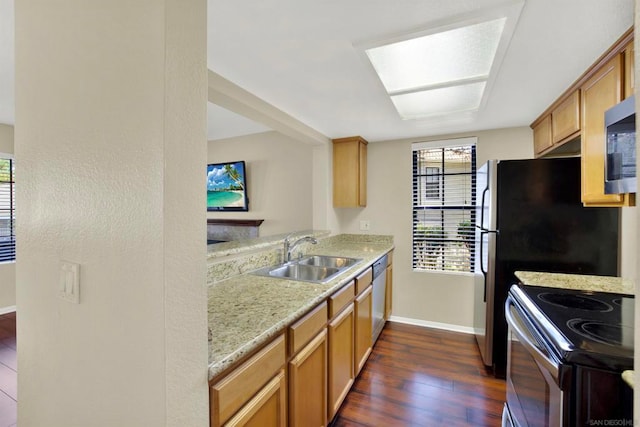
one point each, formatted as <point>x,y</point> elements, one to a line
<point>340,299</point>
<point>306,328</point>
<point>231,393</point>
<point>363,280</point>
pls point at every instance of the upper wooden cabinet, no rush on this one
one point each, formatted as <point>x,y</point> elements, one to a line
<point>629,70</point>
<point>559,126</point>
<point>350,172</point>
<point>542,139</point>
<point>565,118</point>
<point>574,124</point>
<point>601,92</point>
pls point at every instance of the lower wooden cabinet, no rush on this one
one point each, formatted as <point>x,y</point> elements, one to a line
<point>308,384</point>
<point>253,392</point>
<point>341,358</point>
<point>301,377</point>
<point>268,408</point>
<point>363,315</point>
<point>388,297</point>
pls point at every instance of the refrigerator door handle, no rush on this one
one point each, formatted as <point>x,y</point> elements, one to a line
<point>484,273</point>
<point>484,193</point>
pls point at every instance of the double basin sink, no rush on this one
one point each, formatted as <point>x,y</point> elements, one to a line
<point>312,268</point>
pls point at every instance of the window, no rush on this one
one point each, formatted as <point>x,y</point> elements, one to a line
<point>7,211</point>
<point>444,193</point>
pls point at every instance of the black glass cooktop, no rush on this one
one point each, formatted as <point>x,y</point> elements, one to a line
<point>588,328</point>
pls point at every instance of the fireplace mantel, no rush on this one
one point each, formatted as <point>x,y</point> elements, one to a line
<point>236,222</point>
<point>232,229</point>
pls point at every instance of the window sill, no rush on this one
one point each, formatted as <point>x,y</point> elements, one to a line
<point>446,272</point>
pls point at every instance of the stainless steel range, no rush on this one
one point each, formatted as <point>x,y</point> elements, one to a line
<point>566,351</point>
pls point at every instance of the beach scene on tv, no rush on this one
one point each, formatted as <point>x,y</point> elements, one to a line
<point>226,186</point>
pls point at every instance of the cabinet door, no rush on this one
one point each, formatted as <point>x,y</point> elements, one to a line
<point>363,340</point>
<point>542,136</point>
<point>349,172</point>
<point>267,409</point>
<point>362,173</point>
<point>599,93</point>
<point>232,393</point>
<point>565,118</point>
<point>308,384</point>
<point>629,70</point>
<point>388,298</point>
<point>341,356</point>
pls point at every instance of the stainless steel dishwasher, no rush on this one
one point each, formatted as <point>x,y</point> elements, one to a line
<point>379,288</point>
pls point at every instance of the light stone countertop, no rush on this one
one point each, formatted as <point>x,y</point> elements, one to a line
<point>616,285</point>
<point>246,311</point>
<point>628,377</point>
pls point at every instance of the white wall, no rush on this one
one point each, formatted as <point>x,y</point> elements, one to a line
<point>280,176</point>
<point>7,269</point>
<point>432,297</point>
<point>111,113</point>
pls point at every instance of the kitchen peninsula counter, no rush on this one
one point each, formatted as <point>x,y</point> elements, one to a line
<point>245,311</point>
<point>616,285</point>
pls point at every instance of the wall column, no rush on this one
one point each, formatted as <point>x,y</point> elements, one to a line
<point>110,138</point>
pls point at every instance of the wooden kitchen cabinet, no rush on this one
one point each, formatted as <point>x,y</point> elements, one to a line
<point>629,70</point>
<point>565,119</point>
<point>308,384</point>
<point>542,139</point>
<point>554,131</point>
<point>341,358</point>
<point>350,172</point>
<point>255,392</point>
<point>267,408</point>
<point>388,298</point>
<point>600,92</point>
<point>574,124</point>
<point>363,339</point>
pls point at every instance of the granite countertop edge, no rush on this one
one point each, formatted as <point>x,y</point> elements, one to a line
<point>312,295</point>
<point>628,377</point>
<point>584,282</point>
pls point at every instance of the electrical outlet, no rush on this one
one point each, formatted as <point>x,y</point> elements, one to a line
<point>69,281</point>
<point>365,225</point>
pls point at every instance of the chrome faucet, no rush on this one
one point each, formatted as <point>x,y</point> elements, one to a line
<point>289,247</point>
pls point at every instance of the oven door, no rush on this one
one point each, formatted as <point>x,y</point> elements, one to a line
<point>534,397</point>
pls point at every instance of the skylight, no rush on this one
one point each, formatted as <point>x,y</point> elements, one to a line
<point>440,73</point>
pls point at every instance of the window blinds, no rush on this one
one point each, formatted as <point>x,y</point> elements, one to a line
<point>7,211</point>
<point>444,206</point>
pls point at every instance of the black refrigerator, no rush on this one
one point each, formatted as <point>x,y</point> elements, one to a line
<point>529,217</point>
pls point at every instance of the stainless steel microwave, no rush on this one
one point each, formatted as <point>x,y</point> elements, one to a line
<point>620,164</point>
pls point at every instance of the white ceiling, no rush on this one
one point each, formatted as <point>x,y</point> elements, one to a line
<point>299,56</point>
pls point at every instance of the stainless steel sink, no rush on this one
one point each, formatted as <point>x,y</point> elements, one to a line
<point>315,268</point>
<point>304,272</point>
<point>329,261</point>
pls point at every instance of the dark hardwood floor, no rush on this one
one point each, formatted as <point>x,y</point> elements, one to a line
<point>423,377</point>
<point>414,377</point>
<point>8,370</point>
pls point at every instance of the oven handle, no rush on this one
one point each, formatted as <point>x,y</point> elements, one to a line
<point>529,343</point>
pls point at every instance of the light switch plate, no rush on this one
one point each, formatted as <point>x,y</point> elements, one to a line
<point>70,281</point>
<point>365,224</point>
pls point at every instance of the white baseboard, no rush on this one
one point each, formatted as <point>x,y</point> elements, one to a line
<point>435,325</point>
<point>5,310</point>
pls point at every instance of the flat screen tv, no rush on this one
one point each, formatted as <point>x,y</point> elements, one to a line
<point>227,187</point>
